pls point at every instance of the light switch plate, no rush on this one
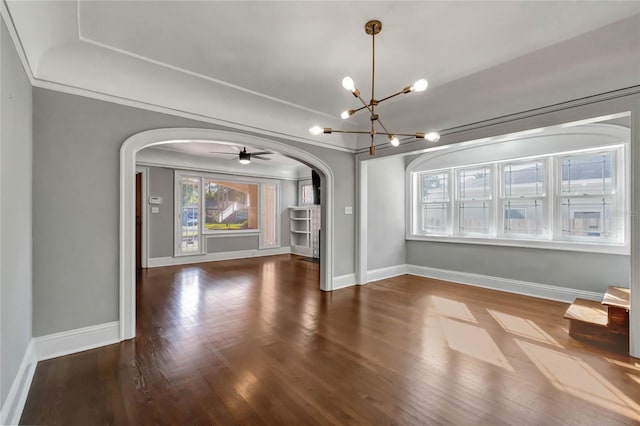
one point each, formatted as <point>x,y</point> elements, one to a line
<point>348,210</point>
<point>155,209</point>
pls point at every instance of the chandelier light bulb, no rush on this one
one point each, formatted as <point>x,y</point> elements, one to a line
<point>394,140</point>
<point>244,161</point>
<point>420,85</point>
<point>432,136</point>
<point>345,114</point>
<point>348,84</point>
<point>316,130</point>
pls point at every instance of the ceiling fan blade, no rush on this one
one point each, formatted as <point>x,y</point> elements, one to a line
<point>220,152</point>
<point>257,157</point>
<point>261,153</point>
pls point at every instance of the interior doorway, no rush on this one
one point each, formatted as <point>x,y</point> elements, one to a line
<point>138,222</point>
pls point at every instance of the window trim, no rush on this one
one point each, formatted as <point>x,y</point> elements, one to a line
<point>498,238</point>
<point>206,234</point>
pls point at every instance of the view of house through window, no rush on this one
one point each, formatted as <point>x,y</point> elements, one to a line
<point>230,205</point>
<point>208,206</point>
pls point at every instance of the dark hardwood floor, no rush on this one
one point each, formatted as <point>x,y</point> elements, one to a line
<point>255,342</point>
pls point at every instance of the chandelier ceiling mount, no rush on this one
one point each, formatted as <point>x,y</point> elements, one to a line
<point>372,28</point>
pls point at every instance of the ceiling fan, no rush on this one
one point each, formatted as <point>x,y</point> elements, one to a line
<point>245,157</point>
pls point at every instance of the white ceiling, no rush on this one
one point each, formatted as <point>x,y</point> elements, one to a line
<point>227,151</point>
<point>276,67</point>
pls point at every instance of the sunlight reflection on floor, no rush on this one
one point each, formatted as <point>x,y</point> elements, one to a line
<point>634,366</point>
<point>522,327</point>
<point>474,342</point>
<point>575,377</point>
<point>453,309</point>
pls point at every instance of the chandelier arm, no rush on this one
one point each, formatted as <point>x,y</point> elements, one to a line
<point>365,105</point>
<point>384,128</point>
<point>362,132</point>
<point>392,96</point>
<point>373,65</point>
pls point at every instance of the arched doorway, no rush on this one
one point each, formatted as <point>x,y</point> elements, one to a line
<point>149,138</point>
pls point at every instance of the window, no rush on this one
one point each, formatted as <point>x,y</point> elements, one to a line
<point>524,199</point>
<point>230,206</point>
<point>209,206</point>
<point>270,235</point>
<point>588,196</point>
<point>473,201</point>
<point>435,202</point>
<point>188,232</point>
<point>567,199</point>
<point>305,193</point>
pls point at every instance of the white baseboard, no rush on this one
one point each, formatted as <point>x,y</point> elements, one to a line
<point>343,281</point>
<point>155,262</point>
<point>543,291</point>
<point>78,340</point>
<point>14,404</point>
<point>387,272</point>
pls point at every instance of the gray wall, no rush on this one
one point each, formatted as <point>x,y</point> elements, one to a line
<point>577,270</point>
<point>161,224</point>
<point>386,245</point>
<point>16,144</point>
<point>584,271</point>
<point>76,205</point>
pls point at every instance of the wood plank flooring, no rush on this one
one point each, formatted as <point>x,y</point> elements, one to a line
<point>256,342</point>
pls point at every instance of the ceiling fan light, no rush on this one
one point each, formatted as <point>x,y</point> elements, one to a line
<point>316,130</point>
<point>432,136</point>
<point>348,84</point>
<point>420,85</point>
<point>244,157</point>
<point>393,140</point>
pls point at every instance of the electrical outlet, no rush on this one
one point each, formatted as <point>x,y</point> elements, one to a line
<point>155,209</point>
<point>348,210</point>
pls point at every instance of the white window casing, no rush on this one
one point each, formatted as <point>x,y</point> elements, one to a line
<point>524,201</point>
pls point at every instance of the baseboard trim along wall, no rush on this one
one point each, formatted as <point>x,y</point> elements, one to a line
<point>16,398</point>
<point>52,346</point>
<point>386,272</point>
<point>78,340</point>
<point>543,291</point>
<point>155,262</point>
<point>343,281</point>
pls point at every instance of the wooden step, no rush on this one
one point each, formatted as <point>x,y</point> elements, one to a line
<point>617,301</point>
<point>588,311</point>
<point>589,321</point>
<point>618,297</point>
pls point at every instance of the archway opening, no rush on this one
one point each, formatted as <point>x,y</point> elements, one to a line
<point>137,142</point>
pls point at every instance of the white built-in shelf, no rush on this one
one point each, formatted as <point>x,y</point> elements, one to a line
<point>304,226</point>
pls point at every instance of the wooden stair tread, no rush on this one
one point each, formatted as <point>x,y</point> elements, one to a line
<point>588,311</point>
<point>617,297</point>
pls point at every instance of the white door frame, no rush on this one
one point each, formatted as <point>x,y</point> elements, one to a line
<point>127,204</point>
<point>144,171</point>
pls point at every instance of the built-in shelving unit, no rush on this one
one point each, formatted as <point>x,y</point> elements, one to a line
<point>305,226</point>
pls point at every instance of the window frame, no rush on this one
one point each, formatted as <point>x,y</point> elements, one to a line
<point>206,234</point>
<point>552,218</point>
<point>546,200</point>
<point>618,194</point>
<point>450,192</point>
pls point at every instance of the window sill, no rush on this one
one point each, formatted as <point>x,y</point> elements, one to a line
<point>619,249</point>
<point>236,233</point>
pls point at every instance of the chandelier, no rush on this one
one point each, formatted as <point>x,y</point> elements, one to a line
<point>372,28</point>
